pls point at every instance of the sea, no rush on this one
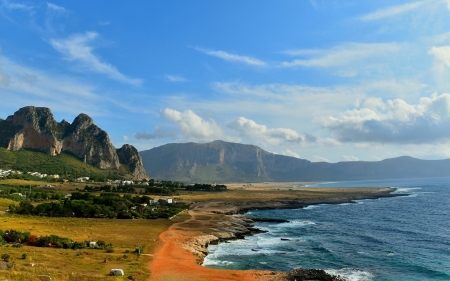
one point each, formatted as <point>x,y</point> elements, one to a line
<point>397,238</point>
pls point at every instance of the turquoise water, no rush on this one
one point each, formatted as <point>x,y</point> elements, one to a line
<point>399,238</point>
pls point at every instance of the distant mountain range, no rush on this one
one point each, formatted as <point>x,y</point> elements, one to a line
<point>220,161</point>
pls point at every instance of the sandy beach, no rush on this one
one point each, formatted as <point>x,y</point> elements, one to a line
<point>183,246</point>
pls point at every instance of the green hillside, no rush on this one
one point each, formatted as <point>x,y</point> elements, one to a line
<point>64,164</point>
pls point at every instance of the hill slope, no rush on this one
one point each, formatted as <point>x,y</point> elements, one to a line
<point>221,161</point>
<point>35,128</point>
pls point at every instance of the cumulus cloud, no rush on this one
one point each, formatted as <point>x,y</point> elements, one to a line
<point>441,54</point>
<point>340,55</point>
<point>77,48</point>
<point>250,129</point>
<point>193,126</point>
<point>394,121</point>
<point>232,57</point>
<point>126,138</point>
<point>158,133</point>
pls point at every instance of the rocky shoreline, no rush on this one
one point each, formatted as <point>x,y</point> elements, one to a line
<point>237,226</point>
<point>219,218</point>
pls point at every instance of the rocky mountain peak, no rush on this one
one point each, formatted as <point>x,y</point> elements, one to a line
<point>35,128</point>
<point>129,156</point>
<point>82,121</point>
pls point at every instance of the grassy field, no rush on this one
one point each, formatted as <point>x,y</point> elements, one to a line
<point>83,264</point>
<point>63,164</point>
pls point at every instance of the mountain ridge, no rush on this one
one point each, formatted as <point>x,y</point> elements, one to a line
<point>35,128</point>
<point>221,161</point>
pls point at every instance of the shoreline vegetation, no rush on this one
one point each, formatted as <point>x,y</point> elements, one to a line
<point>216,218</point>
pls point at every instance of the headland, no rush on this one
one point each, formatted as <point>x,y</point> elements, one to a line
<point>213,219</point>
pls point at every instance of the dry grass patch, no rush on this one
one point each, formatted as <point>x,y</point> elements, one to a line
<point>83,264</point>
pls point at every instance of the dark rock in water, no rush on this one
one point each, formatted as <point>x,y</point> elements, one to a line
<point>269,220</point>
<point>285,239</point>
<point>301,274</point>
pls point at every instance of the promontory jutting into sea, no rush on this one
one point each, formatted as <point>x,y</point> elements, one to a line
<point>404,238</point>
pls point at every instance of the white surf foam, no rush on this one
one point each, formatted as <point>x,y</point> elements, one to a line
<point>310,207</point>
<point>317,184</point>
<point>406,189</point>
<point>352,274</point>
<point>295,224</point>
<point>209,262</point>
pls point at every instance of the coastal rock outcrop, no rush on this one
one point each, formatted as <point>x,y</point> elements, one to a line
<point>35,128</point>
<point>300,274</point>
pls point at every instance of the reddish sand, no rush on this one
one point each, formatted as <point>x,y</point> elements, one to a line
<point>172,262</point>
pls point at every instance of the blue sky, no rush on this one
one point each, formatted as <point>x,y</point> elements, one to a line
<point>316,79</point>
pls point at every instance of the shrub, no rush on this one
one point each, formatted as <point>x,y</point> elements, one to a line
<point>109,249</point>
<point>5,257</point>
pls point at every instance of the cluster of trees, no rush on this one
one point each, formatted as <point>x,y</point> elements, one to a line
<point>110,188</point>
<point>206,187</point>
<point>12,193</point>
<point>105,205</point>
<point>19,237</point>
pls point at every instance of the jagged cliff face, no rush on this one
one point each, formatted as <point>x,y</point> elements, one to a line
<point>35,128</point>
<point>129,156</point>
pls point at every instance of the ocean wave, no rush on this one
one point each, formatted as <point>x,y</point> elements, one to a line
<point>352,274</point>
<point>317,184</point>
<point>211,262</point>
<point>310,207</point>
<point>405,189</point>
<point>295,224</point>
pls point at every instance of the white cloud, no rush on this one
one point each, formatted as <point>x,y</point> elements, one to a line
<point>341,55</point>
<point>316,158</point>
<point>16,6</point>
<point>175,78</point>
<point>77,48</point>
<point>126,138</point>
<point>158,133</point>
<point>291,153</point>
<point>21,86</point>
<point>393,11</point>
<point>348,158</point>
<point>193,126</point>
<point>441,54</point>
<point>394,121</point>
<point>56,8</point>
<point>274,136</point>
<point>233,57</point>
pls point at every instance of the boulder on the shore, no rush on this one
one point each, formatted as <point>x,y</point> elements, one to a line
<point>300,274</point>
